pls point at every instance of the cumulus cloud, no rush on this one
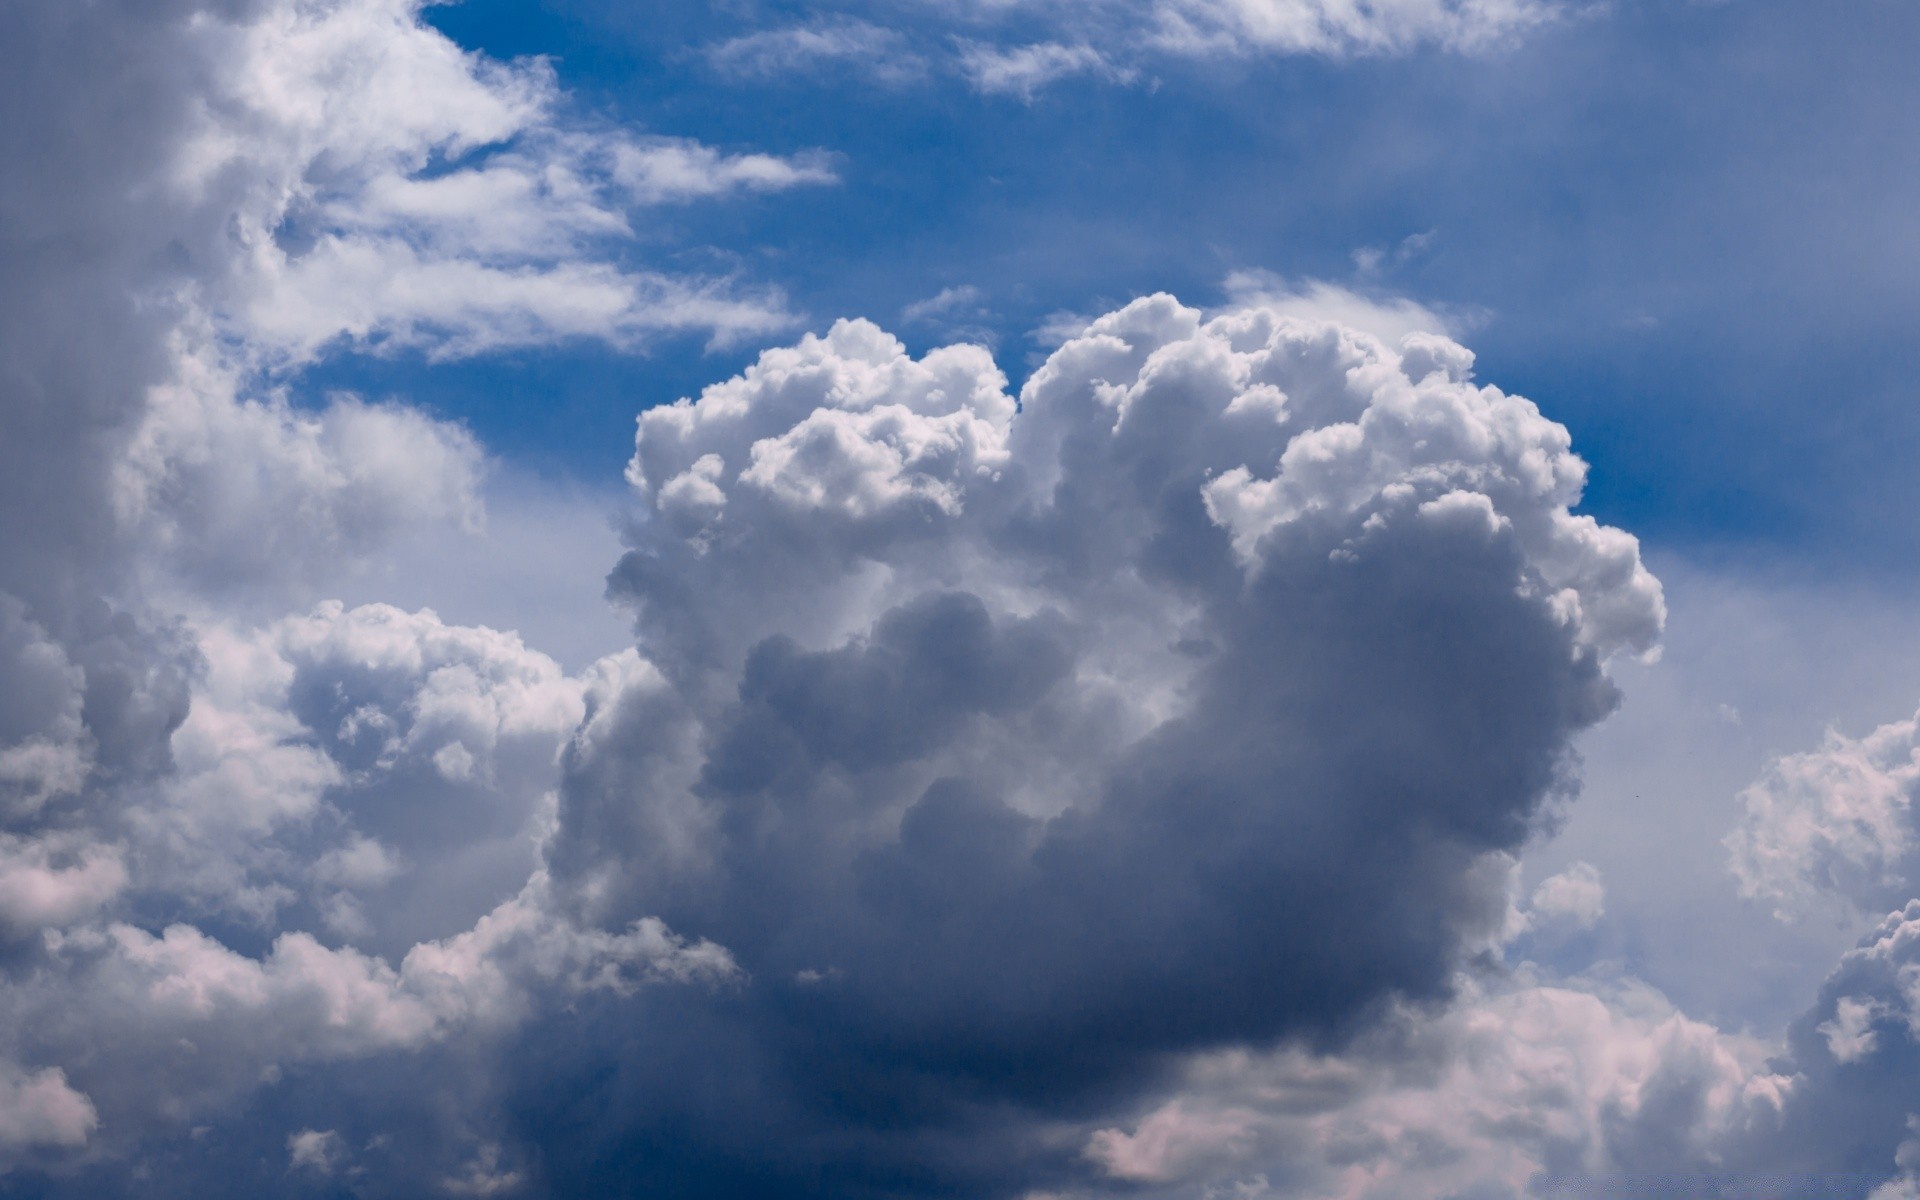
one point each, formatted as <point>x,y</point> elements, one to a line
<point>227,490</point>
<point>158,1027</point>
<point>1576,896</point>
<point>39,1109</point>
<point>1521,1088</point>
<point>1837,822</point>
<point>1197,698</point>
<point>317,1150</point>
<point>1845,1125</point>
<point>245,186</point>
<point>222,839</point>
<point>379,771</point>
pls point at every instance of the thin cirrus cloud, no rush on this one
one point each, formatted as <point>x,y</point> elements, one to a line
<point>1017,48</point>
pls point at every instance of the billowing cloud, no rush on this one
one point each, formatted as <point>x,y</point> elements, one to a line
<point>1837,822</point>
<point>1523,1088</point>
<point>207,871</point>
<point>361,793</point>
<point>1194,700</point>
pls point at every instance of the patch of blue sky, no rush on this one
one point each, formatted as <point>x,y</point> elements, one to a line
<point>1685,229</point>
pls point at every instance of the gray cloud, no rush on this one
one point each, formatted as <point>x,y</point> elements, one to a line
<point>1011,753</point>
<point>198,198</point>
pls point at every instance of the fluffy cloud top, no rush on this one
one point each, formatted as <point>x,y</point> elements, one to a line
<point>1193,699</point>
<point>1837,821</point>
<point>1518,1090</point>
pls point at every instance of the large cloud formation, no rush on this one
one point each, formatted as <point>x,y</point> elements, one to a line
<point>195,848</point>
<point>1193,700</point>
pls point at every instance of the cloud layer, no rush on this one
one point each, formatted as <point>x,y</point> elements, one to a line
<point>1117,788</point>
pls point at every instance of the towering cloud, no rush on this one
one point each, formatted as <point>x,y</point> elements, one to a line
<point>1194,700</point>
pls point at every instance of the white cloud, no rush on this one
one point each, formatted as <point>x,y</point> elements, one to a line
<point>1575,896</point>
<point>1019,47</point>
<point>1339,27</point>
<point>43,750</point>
<point>39,1109</point>
<point>395,750</point>
<point>202,1023</point>
<point>1837,821</point>
<point>1022,71</point>
<point>1515,1083</point>
<point>228,492</point>
<point>442,199</point>
<point>1022,47</point>
<point>667,170</point>
<point>858,46</point>
<point>962,300</point>
<point>55,880</point>
<point>316,1150</point>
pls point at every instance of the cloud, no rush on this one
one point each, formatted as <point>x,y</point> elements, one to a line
<point>39,1109</point>
<point>1022,71</point>
<point>351,790</point>
<point>1575,895</point>
<point>230,492</point>
<point>224,837</point>
<point>664,170</point>
<point>51,881</point>
<point>1209,27</point>
<point>1852,1052</point>
<point>1015,747</point>
<point>378,770</point>
<point>1834,822</point>
<point>1020,47</point>
<point>1519,1089</point>
<point>1114,789</point>
<point>162,1026</point>
<point>387,185</point>
<point>962,300</point>
<point>316,1150</point>
<point>843,44</point>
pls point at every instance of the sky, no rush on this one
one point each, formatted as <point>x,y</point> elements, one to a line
<point>1187,599</point>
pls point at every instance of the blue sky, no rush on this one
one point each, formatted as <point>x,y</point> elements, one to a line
<point>912,598</point>
<point>1682,226</point>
